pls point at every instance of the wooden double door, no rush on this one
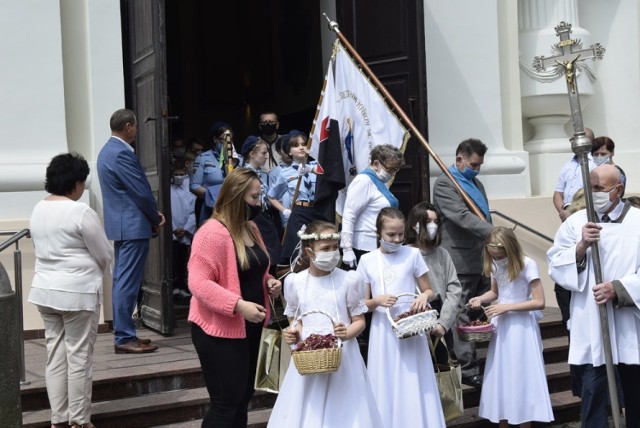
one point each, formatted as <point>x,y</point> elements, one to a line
<point>388,35</point>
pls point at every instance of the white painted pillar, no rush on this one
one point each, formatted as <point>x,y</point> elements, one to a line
<point>545,103</point>
<point>468,75</point>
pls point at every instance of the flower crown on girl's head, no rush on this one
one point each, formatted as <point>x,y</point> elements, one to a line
<point>335,236</point>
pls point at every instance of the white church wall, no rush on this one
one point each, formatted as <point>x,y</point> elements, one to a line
<point>615,109</point>
<point>471,87</point>
<point>64,82</point>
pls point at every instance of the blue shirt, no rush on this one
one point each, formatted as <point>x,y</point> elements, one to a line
<point>288,180</point>
<point>206,171</point>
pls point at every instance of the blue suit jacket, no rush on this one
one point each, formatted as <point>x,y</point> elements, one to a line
<point>130,209</point>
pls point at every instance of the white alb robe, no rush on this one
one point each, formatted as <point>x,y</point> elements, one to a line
<point>619,247</point>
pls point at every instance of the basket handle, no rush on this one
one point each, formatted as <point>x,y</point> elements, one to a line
<point>388,312</point>
<point>295,323</point>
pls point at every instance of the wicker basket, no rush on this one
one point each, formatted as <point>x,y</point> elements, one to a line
<point>419,323</point>
<point>324,360</point>
<point>481,333</point>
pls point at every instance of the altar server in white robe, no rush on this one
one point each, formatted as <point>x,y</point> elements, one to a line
<point>571,265</point>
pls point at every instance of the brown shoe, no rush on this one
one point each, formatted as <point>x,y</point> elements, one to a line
<point>144,341</point>
<point>134,347</point>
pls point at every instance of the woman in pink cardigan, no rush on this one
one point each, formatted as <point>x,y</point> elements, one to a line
<point>229,282</point>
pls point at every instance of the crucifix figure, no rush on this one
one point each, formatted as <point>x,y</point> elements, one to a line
<point>568,54</point>
<point>567,58</point>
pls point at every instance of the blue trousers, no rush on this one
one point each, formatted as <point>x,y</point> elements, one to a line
<point>595,395</point>
<point>131,258</point>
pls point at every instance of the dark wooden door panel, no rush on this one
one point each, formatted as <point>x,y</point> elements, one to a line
<point>389,35</point>
<point>148,95</point>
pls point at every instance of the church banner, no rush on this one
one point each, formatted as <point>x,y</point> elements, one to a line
<point>361,115</point>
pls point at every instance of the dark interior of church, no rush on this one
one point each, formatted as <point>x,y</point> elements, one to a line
<point>230,61</point>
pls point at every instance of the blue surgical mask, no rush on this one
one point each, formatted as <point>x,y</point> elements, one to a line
<point>601,160</point>
<point>469,173</point>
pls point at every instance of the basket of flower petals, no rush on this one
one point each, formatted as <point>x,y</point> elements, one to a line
<point>413,321</point>
<point>475,331</point>
<point>317,353</point>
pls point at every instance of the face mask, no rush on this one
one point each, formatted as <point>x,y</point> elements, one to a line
<point>417,228</point>
<point>469,173</point>
<point>601,201</point>
<point>601,160</point>
<point>253,211</point>
<point>432,230</point>
<point>179,153</point>
<point>390,247</point>
<point>502,263</point>
<point>326,261</point>
<point>179,179</point>
<point>384,175</point>
<point>268,129</point>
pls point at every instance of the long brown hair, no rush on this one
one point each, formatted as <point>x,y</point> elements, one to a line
<point>231,210</point>
<point>420,239</point>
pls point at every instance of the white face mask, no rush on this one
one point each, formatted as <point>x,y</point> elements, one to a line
<point>416,228</point>
<point>602,202</point>
<point>383,175</point>
<point>326,261</point>
<point>432,230</point>
<point>390,247</point>
<point>179,179</point>
<point>601,160</point>
<point>502,263</point>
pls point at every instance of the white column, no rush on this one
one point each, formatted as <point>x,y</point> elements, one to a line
<point>32,92</point>
<point>545,103</point>
<point>467,78</point>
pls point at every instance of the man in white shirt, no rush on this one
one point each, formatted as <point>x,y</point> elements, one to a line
<point>571,264</point>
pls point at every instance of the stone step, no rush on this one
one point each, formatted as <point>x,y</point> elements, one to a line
<point>166,387</point>
<point>132,375</point>
<point>151,410</point>
<point>566,408</point>
<point>176,406</point>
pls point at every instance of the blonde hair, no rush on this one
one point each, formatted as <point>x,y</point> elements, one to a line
<point>231,210</point>
<point>578,202</point>
<point>503,240</point>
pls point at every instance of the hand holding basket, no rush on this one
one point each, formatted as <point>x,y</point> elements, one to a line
<point>476,333</point>
<point>322,360</point>
<point>419,323</point>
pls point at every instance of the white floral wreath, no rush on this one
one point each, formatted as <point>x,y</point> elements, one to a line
<point>335,236</point>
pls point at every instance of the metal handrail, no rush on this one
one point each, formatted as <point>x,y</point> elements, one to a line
<point>522,225</point>
<point>17,265</point>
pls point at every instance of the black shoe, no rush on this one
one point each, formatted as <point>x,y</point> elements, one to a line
<point>475,381</point>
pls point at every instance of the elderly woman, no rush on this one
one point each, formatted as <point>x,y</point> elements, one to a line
<point>366,196</point>
<point>423,232</point>
<point>72,253</point>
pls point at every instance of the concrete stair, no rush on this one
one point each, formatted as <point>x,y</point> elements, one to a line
<point>166,389</point>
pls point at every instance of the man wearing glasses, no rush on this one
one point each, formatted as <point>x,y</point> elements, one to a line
<point>463,235</point>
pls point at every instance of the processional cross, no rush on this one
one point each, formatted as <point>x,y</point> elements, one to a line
<point>568,56</point>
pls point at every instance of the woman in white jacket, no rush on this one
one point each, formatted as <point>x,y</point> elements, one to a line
<point>72,253</point>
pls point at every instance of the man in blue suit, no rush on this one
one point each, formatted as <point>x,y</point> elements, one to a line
<point>131,218</point>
